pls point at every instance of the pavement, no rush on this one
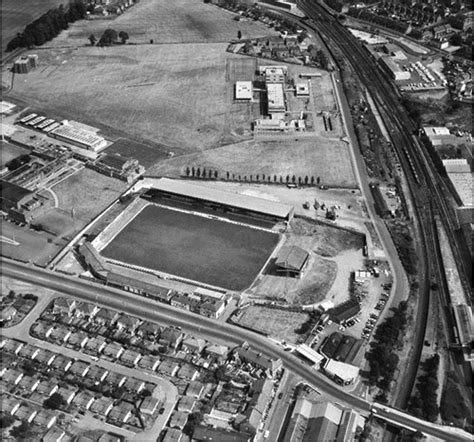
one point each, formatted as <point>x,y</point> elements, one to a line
<point>151,310</point>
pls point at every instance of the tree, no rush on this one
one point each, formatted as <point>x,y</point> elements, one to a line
<point>193,171</point>
<point>123,37</point>
<point>108,38</point>
<point>54,402</point>
<point>21,431</point>
<point>204,172</point>
<point>198,172</point>
<point>92,39</point>
<point>239,34</point>
<point>6,420</point>
<point>188,171</point>
<point>216,174</point>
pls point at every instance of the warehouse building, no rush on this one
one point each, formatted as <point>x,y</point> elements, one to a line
<point>394,70</point>
<point>340,372</point>
<point>216,199</point>
<point>79,137</point>
<point>275,98</point>
<point>464,324</point>
<point>243,91</point>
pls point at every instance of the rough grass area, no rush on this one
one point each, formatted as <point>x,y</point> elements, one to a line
<point>279,324</point>
<point>87,193</point>
<point>10,152</point>
<point>330,241</point>
<point>179,21</point>
<point>194,247</point>
<point>58,222</point>
<point>15,15</point>
<point>327,159</point>
<point>35,247</point>
<point>163,95</point>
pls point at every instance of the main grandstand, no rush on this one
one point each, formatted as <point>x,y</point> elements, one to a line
<point>191,193</point>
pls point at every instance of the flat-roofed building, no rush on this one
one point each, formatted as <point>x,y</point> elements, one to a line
<point>464,324</point>
<point>311,355</point>
<point>302,89</point>
<point>274,74</point>
<point>341,372</point>
<point>275,98</point>
<point>180,189</point>
<point>394,70</point>
<point>243,91</point>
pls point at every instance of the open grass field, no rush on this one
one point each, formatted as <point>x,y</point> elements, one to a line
<point>173,95</point>
<point>87,193</point>
<point>16,14</point>
<point>193,247</point>
<point>276,323</point>
<point>179,21</point>
<point>328,159</point>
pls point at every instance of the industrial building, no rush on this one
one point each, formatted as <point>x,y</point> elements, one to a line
<point>461,177</point>
<point>275,98</point>
<point>437,136</point>
<point>219,199</point>
<point>292,261</point>
<point>464,324</point>
<point>393,69</point>
<point>243,91</point>
<point>23,65</point>
<point>302,89</point>
<point>79,137</point>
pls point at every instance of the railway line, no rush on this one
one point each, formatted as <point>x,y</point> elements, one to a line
<point>426,187</point>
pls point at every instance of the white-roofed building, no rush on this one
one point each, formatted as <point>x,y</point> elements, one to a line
<point>341,372</point>
<point>243,90</point>
<point>79,137</point>
<point>308,353</point>
<point>275,98</point>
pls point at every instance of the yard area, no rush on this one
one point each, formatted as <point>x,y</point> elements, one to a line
<point>194,247</point>
<point>316,157</point>
<point>87,193</point>
<point>276,323</point>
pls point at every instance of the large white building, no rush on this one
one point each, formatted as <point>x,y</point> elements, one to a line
<point>275,98</point>
<point>79,137</point>
<point>395,71</point>
<point>243,90</point>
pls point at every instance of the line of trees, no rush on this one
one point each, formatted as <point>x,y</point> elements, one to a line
<point>382,357</point>
<point>212,174</point>
<point>48,26</point>
<point>425,403</point>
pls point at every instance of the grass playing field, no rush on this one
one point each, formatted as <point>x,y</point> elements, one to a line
<point>193,247</point>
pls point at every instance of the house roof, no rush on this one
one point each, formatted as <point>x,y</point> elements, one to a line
<point>292,258</point>
<point>218,350</point>
<point>195,388</point>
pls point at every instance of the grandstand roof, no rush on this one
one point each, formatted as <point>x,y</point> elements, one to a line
<point>237,200</point>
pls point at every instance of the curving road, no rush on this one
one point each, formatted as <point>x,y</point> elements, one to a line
<point>151,310</point>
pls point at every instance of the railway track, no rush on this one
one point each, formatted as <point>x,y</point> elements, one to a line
<point>425,185</point>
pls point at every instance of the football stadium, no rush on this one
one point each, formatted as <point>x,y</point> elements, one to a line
<point>188,231</point>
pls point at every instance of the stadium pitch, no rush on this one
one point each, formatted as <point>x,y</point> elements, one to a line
<point>198,248</point>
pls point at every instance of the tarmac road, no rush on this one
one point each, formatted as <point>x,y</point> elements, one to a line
<point>154,311</point>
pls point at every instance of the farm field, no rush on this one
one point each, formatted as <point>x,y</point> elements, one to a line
<point>164,22</point>
<point>193,247</point>
<point>87,193</point>
<point>276,323</point>
<point>15,15</point>
<point>316,157</point>
<point>162,95</point>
